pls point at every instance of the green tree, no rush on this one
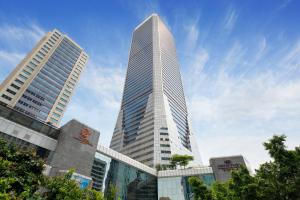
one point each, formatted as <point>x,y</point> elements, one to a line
<point>158,167</point>
<point>200,191</point>
<point>112,193</point>
<point>21,178</point>
<point>20,172</point>
<point>181,160</point>
<point>281,177</point>
<point>275,180</point>
<point>63,187</point>
<point>220,191</point>
<point>242,185</point>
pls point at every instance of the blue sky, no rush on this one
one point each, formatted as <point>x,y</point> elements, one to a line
<point>240,62</point>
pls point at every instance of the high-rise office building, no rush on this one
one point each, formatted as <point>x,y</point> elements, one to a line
<point>153,121</point>
<point>42,84</point>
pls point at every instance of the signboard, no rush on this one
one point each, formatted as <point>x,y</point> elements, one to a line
<point>83,181</point>
<point>84,136</point>
<point>228,165</point>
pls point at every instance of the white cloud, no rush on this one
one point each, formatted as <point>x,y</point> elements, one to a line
<point>234,113</point>
<point>192,31</point>
<point>16,42</point>
<point>230,19</point>
<point>20,37</point>
<point>10,57</point>
<point>200,60</point>
<point>106,83</point>
<point>284,4</point>
<point>291,61</point>
<point>261,50</point>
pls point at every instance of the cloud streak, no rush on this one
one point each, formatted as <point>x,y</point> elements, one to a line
<point>16,42</point>
<point>20,37</point>
<point>230,19</point>
<point>234,112</point>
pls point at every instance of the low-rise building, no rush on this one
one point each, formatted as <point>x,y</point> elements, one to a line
<point>75,145</point>
<point>222,166</point>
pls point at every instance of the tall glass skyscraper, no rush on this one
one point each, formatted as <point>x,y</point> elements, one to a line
<point>153,121</point>
<point>42,84</point>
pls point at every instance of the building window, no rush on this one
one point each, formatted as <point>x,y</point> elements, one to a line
<point>23,77</point>
<point>164,145</point>
<point>164,134</point>
<point>39,57</point>
<point>68,92</point>
<point>29,68</point>
<point>64,95</point>
<point>36,60</point>
<point>56,115</point>
<point>165,158</point>
<point>61,105</point>
<point>169,152</point>
<point>53,120</point>
<point>71,83</point>
<point>32,64</point>
<point>47,47</point>
<point>11,92</point>
<point>19,81</point>
<point>63,100</point>
<point>26,72</point>
<point>6,97</point>
<point>15,86</point>
<point>58,109</point>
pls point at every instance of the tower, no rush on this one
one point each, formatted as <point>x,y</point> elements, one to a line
<point>43,82</point>
<point>153,121</point>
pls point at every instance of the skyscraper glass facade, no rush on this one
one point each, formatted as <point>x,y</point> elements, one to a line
<point>172,84</point>
<point>153,121</point>
<point>138,84</point>
<point>131,182</point>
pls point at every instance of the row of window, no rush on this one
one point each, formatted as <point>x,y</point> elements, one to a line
<point>6,97</point>
<point>32,100</point>
<point>141,155</point>
<point>27,70</point>
<point>53,120</point>
<point>10,91</point>
<point>36,95</point>
<point>161,133</point>
<point>29,106</point>
<point>25,111</point>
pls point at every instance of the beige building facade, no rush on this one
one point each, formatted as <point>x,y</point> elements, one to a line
<point>43,82</point>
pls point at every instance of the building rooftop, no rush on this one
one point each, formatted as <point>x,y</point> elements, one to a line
<point>31,123</point>
<point>125,159</point>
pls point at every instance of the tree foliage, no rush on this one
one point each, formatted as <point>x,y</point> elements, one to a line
<point>20,172</point>
<point>181,160</point>
<point>21,178</point>
<point>199,189</point>
<point>275,180</point>
<point>63,187</point>
<point>175,161</point>
<point>112,193</point>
